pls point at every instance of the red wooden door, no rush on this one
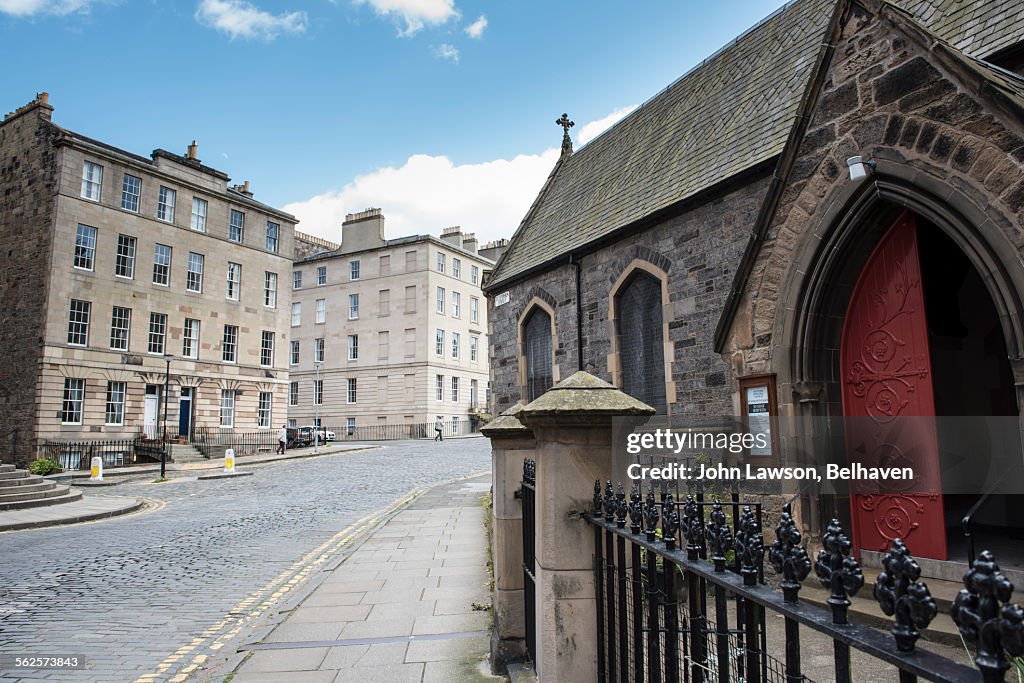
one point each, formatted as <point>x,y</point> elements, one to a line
<point>886,378</point>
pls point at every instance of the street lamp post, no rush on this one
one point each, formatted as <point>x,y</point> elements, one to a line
<point>316,409</point>
<point>167,384</point>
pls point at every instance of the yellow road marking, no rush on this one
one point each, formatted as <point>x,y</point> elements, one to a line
<point>261,601</point>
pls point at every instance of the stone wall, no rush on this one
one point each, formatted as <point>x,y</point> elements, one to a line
<point>698,249</point>
<point>28,179</point>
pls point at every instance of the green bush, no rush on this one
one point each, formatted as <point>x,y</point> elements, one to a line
<point>43,466</point>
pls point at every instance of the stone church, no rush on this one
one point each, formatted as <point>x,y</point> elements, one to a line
<point>824,217</point>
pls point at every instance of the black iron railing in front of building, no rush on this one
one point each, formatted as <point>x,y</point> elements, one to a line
<point>78,455</point>
<point>213,442</point>
<point>664,613</point>
<point>396,432</point>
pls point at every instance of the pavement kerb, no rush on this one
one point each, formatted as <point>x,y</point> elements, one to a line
<point>76,519</point>
<point>367,526</point>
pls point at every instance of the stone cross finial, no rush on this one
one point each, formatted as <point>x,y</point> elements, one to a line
<point>566,124</point>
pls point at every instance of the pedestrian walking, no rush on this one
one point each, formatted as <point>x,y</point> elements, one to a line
<point>282,439</point>
<point>439,429</point>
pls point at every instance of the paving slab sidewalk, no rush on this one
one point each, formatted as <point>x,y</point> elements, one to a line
<point>409,604</point>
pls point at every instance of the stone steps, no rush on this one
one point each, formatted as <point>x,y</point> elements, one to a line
<point>20,490</point>
<point>183,453</point>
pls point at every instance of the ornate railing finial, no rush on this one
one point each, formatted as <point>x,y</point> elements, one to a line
<point>719,536</point>
<point>636,511</point>
<point>669,522</point>
<point>693,529</point>
<point>620,507</point>
<point>982,617</point>
<point>749,547</point>
<point>899,593</point>
<point>838,570</point>
<point>609,502</point>
<point>789,557</point>
<point>597,499</point>
<point>651,515</point>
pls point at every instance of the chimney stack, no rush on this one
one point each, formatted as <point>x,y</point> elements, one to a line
<point>469,242</point>
<point>452,235</point>
<point>362,230</point>
<point>193,152</point>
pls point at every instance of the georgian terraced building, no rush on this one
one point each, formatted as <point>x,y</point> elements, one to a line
<point>115,264</point>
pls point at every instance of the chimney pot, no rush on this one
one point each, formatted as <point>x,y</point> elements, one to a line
<point>193,151</point>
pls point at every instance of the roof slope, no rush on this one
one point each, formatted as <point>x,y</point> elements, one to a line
<point>978,29</point>
<point>726,115</point>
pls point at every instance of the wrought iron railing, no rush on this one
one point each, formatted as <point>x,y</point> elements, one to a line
<point>213,442</point>
<point>78,455</point>
<point>645,634</point>
<point>397,432</point>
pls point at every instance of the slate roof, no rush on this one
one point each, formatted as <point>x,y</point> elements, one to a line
<point>978,29</point>
<point>730,113</point>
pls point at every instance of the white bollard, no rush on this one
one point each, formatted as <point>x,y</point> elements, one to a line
<point>229,461</point>
<point>96,469</point>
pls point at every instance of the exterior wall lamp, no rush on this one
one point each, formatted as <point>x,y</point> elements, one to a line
<point>860,168</point>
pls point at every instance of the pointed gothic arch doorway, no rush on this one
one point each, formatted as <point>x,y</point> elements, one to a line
<point>920,336</point>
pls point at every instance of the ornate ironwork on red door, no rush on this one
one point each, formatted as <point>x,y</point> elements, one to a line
<point>887,389</point>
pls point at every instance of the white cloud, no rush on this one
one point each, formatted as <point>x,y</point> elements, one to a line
<point>25,8</point>
<point>476,29</point>
<point>415,14</point>
<point>428,193</point>
<point>591,130</point>
<point>446,51</point>
<point>241,19</point>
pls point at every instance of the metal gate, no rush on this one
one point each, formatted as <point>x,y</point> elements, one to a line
<point>528,497</point>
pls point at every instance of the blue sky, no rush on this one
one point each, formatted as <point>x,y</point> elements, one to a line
<point>439,111</point>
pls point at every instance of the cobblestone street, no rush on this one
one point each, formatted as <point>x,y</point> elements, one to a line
<point>130,592</point>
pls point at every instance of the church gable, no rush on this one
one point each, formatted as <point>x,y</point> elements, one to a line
<point>925,113</point>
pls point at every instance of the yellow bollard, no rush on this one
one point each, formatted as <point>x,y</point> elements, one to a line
<point>229,461</point>
<point>96,469</point>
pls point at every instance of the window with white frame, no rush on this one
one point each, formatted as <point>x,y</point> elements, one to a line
<point>439,387</point>
<point>270,289</point>
<point>124,264</point>
<point>194,277</point>
<point>199,209</point>
<point>85,247</point>
<point>456,268</point>
<point>474,275</point>
<point>472,393</point>
<point>353,270</point>
<point>440,299</point>
<point>474,309</point>
<point>353,306</point>
<point>115,403</point>
<point>456,305</point>
<point>227,407</point>
<point>318,350</point>
<point>293,356</point>
<point>353,347</point>
<point>190,338</point>
<point>120,324</point>
<point>234,284</point>
<point>296,279</point>
<point>350,394</point>
<point>321,275</point>
<point>293,394</point>
<point>131,191</point>
<point>474,342</point>
<point>318,392</point>
<point>74,399</point>
<point>273,236</point>
<point>455,344</point>
<point>236,226</point>
<point>439,342</point>
<point>267,349</point>
<point>296,313</point>
<point>229,345</point>
<point>92,179</point>
<point>264,411</point>
<point>165,201</point>
<point>455,389</point>
<point>78,322</point>
<point>455,424</point>
<point>321,311</point>
<point>162,265</point>
<point>440,262</point>
<point>157,333</point>
<point>292,422</point>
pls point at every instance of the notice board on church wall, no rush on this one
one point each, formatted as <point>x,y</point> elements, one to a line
<point>758,408</point>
